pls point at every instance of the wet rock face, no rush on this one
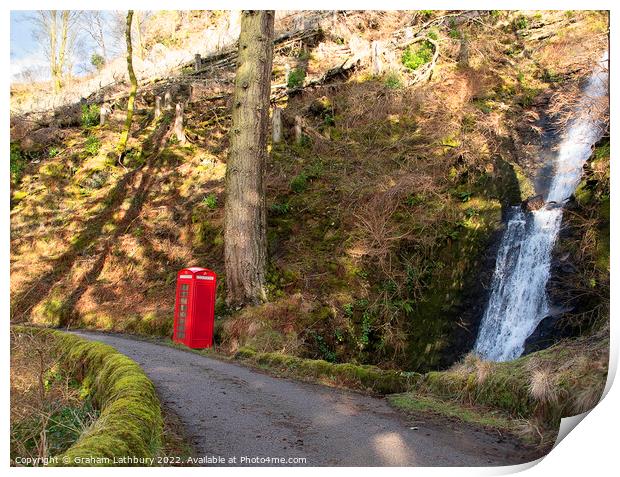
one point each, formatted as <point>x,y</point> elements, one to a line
<point>533,203</point>
<point>548,332</point>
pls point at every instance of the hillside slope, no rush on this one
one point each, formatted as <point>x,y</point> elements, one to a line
<point>382,216</point>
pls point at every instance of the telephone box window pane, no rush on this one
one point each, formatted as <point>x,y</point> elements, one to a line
<point>183,307</point>
<point>183,301</point>
<point>182,314</point>
<point>185,286</point>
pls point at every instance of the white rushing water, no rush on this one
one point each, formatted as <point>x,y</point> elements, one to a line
<point>518,300</point>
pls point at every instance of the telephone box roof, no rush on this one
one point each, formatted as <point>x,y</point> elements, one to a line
<point>197,269</point>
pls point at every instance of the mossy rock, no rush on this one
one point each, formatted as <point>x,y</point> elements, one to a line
<point>245,353</point>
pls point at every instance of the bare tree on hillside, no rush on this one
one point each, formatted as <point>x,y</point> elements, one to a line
<point>245,241</point>
<point>56,30</point>
<point>122,143</point>
<point>95,24</point>
<point>139,30</point>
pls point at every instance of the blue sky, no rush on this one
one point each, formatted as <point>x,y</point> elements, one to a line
<point>26,52</point>
<point>21,37</point>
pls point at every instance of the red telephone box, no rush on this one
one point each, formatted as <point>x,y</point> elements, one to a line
<point>194,310</point>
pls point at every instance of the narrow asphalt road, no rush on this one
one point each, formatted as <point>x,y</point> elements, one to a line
<point>232,411</point>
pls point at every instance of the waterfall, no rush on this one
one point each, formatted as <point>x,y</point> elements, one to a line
<point>518,299</point>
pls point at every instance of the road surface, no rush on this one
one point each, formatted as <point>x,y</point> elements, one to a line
<point>232,411</point>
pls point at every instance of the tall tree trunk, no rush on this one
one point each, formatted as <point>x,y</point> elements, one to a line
<point>62,52</point>
<point>122,143</point>
<point>139,33</point>
<point>53,40</point>
<point>104,51</point>
<point>99,25</point>
<point>245,223</point>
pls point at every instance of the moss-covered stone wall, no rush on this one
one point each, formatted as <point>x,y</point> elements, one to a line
<point>130,423</point>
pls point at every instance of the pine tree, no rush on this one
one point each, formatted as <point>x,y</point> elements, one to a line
<point>245,240</point>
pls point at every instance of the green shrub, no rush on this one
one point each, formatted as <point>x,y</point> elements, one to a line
<point>18,163</point>
<point>549,76</point>
<point>414,57</point>
<point>464,196</point>
<point>299,182</point>
<point>325,351</point>
<point>210,201</point>
<point>392,80</point>
<point>315,170</point>
<point>296,78</point>
<point>64,426</point>
<point>134,158</point>
<point>304,55</point>
<point>97,61</point>
<point>92,145</point>
<point>53,152</point>
<point>90,115</point>
<point>521,23</point>
<point>280,209</point>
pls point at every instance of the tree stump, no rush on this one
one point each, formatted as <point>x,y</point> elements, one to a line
<point>104,112</point>
<point>276,125</point>
<point>168,100</point>
<point>287,73</point>
<point>157,107</point>
<point>197,62</point>
<point>463,58</point>
<point>298,132</point>
<point>178,124</point>
<point>377,63</point>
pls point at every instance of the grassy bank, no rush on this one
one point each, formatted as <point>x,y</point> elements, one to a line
<point>534,392</point>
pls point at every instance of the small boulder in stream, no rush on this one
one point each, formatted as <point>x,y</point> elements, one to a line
<point>533,203</point>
